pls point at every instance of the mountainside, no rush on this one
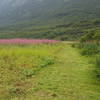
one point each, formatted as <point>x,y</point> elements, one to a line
<point>38,18</point>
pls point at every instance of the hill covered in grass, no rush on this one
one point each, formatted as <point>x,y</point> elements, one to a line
<point>57,19</point>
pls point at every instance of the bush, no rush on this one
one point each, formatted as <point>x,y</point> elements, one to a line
<point>28,72</point>
<point>47,61</point>
<point>73,45</point>
<point>91,35</point>
<point>89,48</point>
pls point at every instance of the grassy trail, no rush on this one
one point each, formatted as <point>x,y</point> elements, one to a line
<point>71,76</point>
<point>69,79</point>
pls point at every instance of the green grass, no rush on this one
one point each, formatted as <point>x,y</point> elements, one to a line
<point>46,72</point>
<point>91,50</point>
<point>97,65</point>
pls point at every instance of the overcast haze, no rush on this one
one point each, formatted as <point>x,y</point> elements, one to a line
<point>42,10</point>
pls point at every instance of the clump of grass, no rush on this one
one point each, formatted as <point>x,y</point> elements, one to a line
<point>43,63</point>
<point>46,61</point>
<point>28,72</point>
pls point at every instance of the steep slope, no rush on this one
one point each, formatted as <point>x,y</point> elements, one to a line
<point>28,15</point>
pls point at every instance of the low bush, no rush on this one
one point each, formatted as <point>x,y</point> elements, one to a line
<point>89,48</point>
<point>46,61</point>
<point>28,72</point>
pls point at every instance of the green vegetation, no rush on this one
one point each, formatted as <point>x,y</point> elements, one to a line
<point>51,19</point>
<point>50,71</point>
<point>58,31</point>
<point>92,50</point>
<point>90,46</point>
<point>91,35</point>
<point>97,63</point>
<point>46,72</point>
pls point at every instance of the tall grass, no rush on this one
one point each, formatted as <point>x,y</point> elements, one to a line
<point>89,48</point>
<point>20,63</point>
<point>97,63</point>
<point>92,50</point>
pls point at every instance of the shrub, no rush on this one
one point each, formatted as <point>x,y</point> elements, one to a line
<point>73,45</point>
<point>46,61</point>
<point>89,48</point>
<point>28,72</point>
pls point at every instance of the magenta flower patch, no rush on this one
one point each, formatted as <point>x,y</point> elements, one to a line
<point>26,41</point>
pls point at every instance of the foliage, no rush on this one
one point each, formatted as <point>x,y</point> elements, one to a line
<point>92,50</point>
<point>89,48</point>
<point>58,31</point>
<point>91,35</point>
<point>97,35</point>
<point>97,63</point>
<point>52,19</point>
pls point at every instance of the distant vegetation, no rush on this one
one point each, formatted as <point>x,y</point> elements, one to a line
<point>91,36</point>
<point>52,19</point>
<point>64,31</point>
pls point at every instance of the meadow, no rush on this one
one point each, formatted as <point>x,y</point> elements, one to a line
<point>46,71</point>
<point>19,63</point>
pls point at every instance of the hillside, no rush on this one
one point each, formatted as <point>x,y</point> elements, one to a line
<point>58,19</point>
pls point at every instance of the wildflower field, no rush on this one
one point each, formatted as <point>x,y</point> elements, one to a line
<point>45,70</point>
<point>26,41</point>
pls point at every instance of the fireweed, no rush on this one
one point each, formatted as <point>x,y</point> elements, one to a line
<point>26,41</point>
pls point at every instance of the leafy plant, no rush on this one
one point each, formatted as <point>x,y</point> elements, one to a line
<point>46,61</point>
<point>28,72</point>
